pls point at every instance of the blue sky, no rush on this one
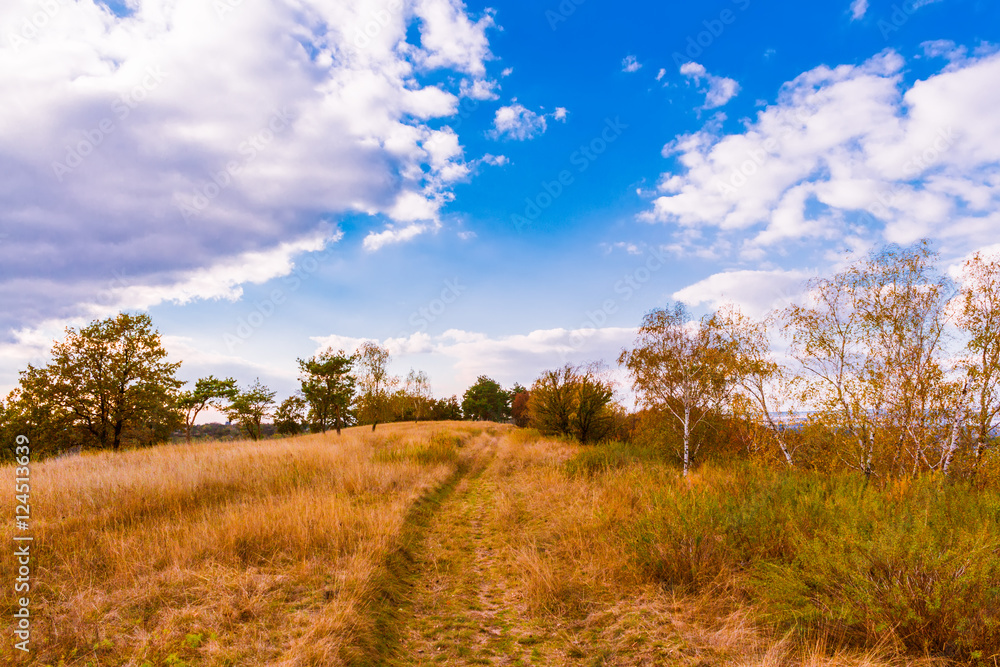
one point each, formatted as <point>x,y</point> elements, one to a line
<point>489,188</point>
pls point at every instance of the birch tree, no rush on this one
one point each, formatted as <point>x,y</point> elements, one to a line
<point>765,384</point>
<point>683,368</point>
<point>870,344</point>
<point>374,382</point>
<point>979,320</point>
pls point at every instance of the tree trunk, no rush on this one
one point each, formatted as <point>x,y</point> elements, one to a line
<point>118,435</point>
<point>687,440</point>
<point>953,441</point>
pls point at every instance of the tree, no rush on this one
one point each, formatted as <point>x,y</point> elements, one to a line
<point>552,401</point>
<point>208,391</point>
<point>519,406</point>
<point>682,368</point>
<point>763,384</point>
<point>250,407</point>
<point>486,401</point>
<point>870,344</point>
<point>418,393</point>
<point>328,387</point>
<point>592,417</point>
<point>106,383</point>
<point>290,416</point>
<point>375,383</point>
<point>446,410</point>
<point>979,320</point>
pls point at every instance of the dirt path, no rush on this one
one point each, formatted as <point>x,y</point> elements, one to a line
<point>460,611</point>
<point>461,599</point>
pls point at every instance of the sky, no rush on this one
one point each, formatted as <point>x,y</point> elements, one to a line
<point>485,188</point>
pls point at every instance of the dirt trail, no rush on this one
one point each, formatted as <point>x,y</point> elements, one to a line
<point>461,598</point>
<point>460,612</point>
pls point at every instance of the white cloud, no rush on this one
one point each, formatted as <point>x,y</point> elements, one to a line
<point>718,90</point>
<point>479,89</point>
<point>847,149</point>
<point>858,9</point>
<point>755,292</point>
<point>507,71</point>
<point>377,240</point>
<point>495,160</point>
<point>517,122</point>
<point>662,73</point>
<point>631,64</point>
<point>945,48</point>
<point>190,133</point>
<point>560,114</point>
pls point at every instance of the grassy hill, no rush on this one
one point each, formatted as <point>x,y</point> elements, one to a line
<point>467,543</point>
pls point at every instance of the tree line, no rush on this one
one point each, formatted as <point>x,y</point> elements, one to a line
<point>109,386</point>
<point>887,367</point>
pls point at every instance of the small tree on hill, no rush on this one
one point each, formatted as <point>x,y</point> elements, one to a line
<point>107,382</point>
<point>208,391</point>
<point>250,407</point>
<point>682,368</point>
<point>486,401</point>
<point>572,401</point>
<point>328,387</point>
<point>375,383</point>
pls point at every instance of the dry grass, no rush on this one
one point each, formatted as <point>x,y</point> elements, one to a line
<point>225,553</point>
<point>570,565</point>
<point>288,553</point>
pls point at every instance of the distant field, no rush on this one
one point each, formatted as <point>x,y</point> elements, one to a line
<point>468,543</point>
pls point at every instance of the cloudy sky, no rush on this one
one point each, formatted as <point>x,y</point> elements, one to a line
<point>486,188</point>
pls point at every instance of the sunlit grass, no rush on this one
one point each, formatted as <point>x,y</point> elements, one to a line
<point>235,553</point>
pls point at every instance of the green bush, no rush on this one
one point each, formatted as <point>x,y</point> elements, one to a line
<point>918,562</point>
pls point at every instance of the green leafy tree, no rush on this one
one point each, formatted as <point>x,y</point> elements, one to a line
<point>486,401</point>
<point>289,417</point>
<point>328,387</point>
<point>446,409</point>
<point>250,407</point>
<point>107,383</point>
<point>209,391</point>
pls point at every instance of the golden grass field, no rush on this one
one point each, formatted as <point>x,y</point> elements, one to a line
<point>437,543</point>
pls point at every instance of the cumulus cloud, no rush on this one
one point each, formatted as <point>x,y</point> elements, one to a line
<point>755,292</point>
<point>189,134</point>
<point>845,151</point>
<point>631,64</point>
<point>858,9</point>
<point>718,89</point>
<point>517,122</point>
